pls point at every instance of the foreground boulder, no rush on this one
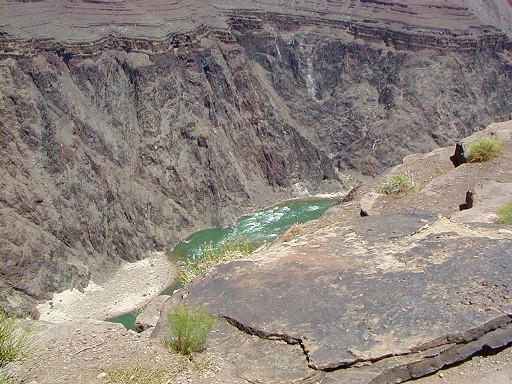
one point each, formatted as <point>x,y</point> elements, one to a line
<point>391,298</point>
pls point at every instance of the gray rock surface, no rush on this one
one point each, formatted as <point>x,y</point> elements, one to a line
<point>149,316</point>
<point>486,199</point>
<point>385,298</point>
<point>400,297</point>
<point>445,187</point>
<point>415,23</point>
<point>126,125</point>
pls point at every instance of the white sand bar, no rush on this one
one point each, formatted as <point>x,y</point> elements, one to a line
<point>128,287</point>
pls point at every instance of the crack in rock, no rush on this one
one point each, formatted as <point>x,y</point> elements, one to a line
<point>268,335</point>
<point>493,335</point>
<point>491,342</point>
<point>453,338</point>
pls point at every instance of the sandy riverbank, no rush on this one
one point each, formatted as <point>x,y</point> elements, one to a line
<point>128,287</point>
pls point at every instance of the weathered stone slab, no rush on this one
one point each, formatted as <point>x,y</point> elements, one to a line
<point>380,292</point>
<point>403,368</point>
<point>486,199</point>
<point>254,359</point>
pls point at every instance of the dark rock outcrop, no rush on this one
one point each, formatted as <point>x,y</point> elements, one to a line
<point>127,124</point>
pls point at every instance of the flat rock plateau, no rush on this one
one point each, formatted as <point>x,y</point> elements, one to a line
<point>127,125</point>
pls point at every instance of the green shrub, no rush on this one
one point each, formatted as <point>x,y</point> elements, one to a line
<point>212,256</point>
<point>15,340</point>
<point>397,183</point>
<point>505,213</point>
<point>6,378</point>
<point>485,148</point>
<point>189,328</point>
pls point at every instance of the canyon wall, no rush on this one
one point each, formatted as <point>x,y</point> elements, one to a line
<point>127,125</point>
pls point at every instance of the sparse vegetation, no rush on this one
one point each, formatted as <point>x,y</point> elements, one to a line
<point>5,379</point>
<point>212,256</point>
<point>15,340</point>
<point>397,183</point>
<point>143,374</point>
<point>156,373</point>
<point>485,148</point>
<point>505,213</point>
<point>189,328</point>
<point>294,231</point>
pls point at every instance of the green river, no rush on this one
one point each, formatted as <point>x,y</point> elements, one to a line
<point>260,227</point>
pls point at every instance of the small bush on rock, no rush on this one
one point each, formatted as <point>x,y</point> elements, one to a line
<point>505,213</point>
<point>486,148</point>
<point>189,327</point>
<point>397,183</point>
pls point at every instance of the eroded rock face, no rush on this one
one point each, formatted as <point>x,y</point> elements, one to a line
<point>110,158</point>
<point>417,23</point>
<point>126,125</point>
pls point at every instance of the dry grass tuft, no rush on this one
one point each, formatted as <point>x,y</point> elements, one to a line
<point>16,341</point>
<point>485,149</point>
<point>294,231</point>
<point>189,328</point>
<point>161,373</point>
<point>505,213</point>
<point>398,183</point>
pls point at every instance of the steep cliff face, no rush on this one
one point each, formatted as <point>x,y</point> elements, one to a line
<point>109,158</point>
<point>119,140</point>
<point>369,105</point>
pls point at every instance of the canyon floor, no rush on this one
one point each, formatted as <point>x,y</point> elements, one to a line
<point>93,351</point>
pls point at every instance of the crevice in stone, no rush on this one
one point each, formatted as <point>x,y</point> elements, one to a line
<point>492,335</point>
<point>450,339</point>
<point>490,343</point>
<point>468,336</point>
<point>25,291</point>
<point>269,335</point>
